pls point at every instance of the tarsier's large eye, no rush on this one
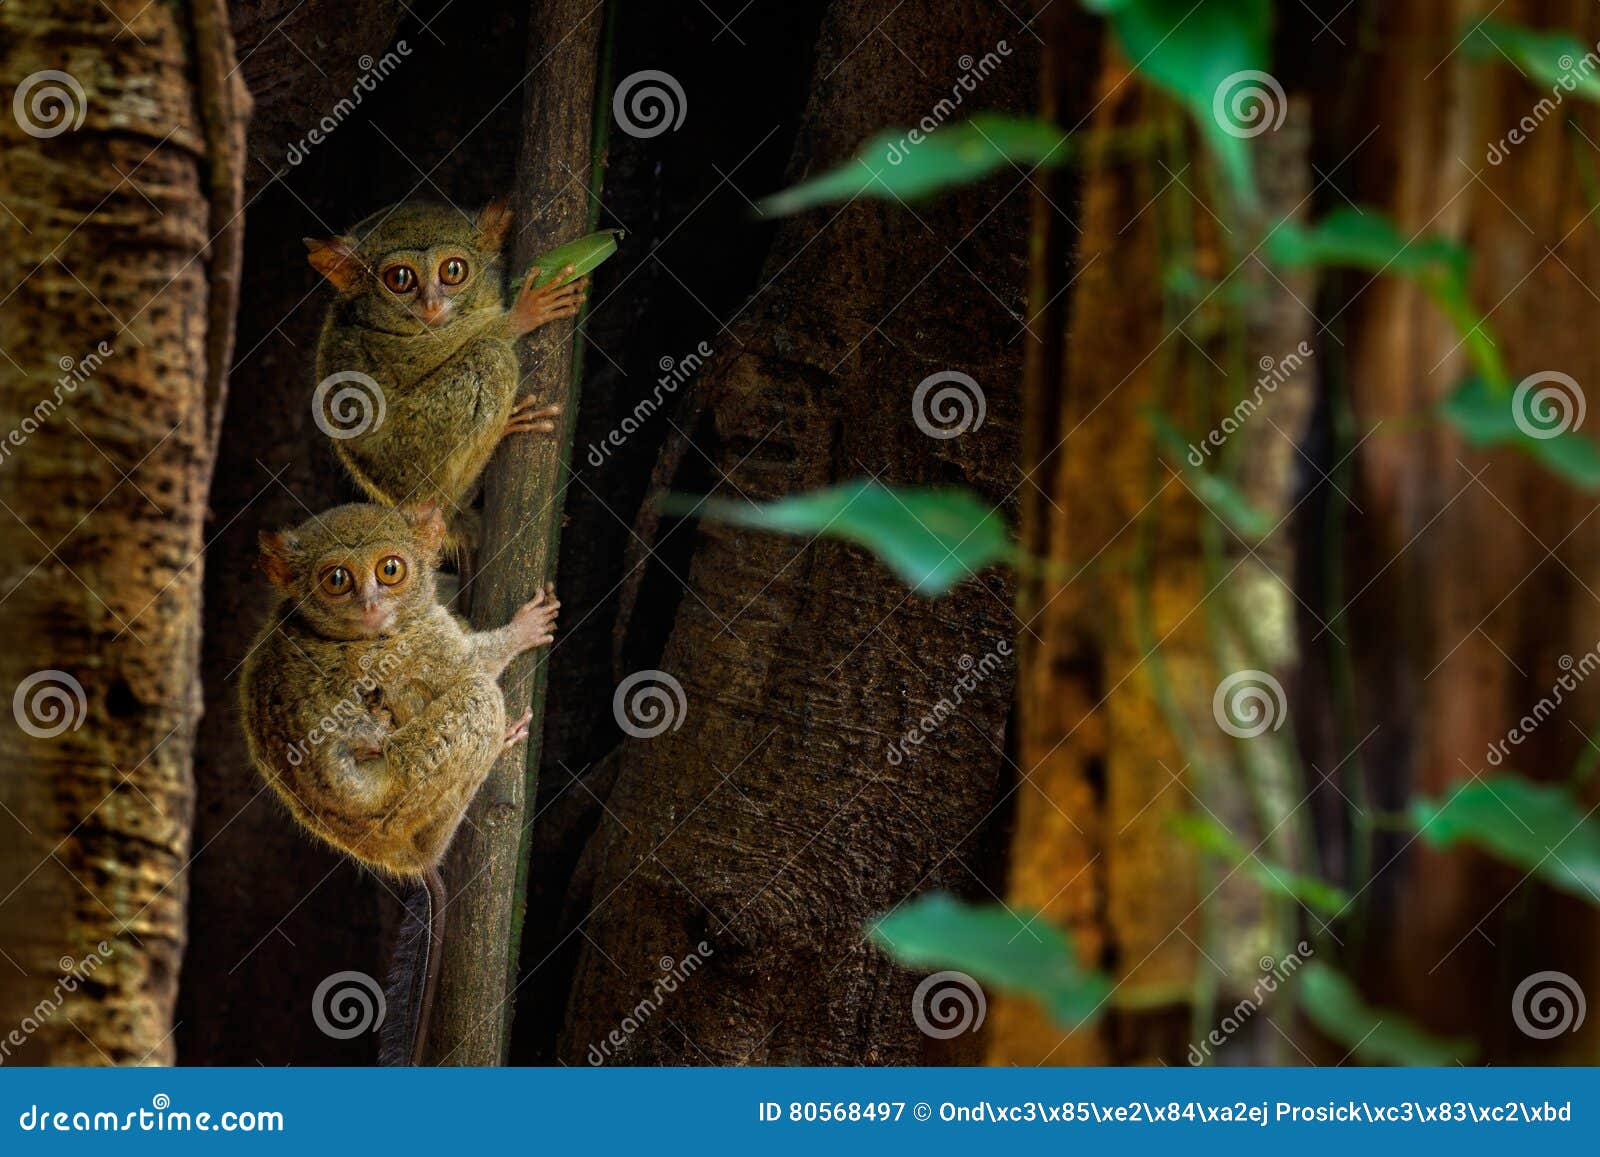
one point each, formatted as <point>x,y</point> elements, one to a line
<point>400,278</point>
<point>391,570</point>
<point>337,581</point>
<point>453,271</point>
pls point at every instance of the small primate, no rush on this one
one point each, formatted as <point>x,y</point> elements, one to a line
<point>421,311</point>
<point>375,714</point>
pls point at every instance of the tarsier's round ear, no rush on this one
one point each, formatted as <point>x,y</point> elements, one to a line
<point>427,526</point>
<point>494,221</point>
<point>337,260</point>
<point>279,556</point>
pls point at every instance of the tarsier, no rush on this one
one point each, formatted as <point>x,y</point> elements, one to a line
<point>421,311</point>
<point>374,713</point>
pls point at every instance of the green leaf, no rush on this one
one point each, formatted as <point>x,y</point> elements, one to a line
<point>1212,56</point>
<point>1546,432</point>
<point>1376,1036</point>
<point>1206,834</point>
<point>909,164</point>
<point>1218,493</point>
<point>584,255</point>
<point>1367,239</point>
<point>1009,951</point>
<point>1540,828</point>
<point>931,537</point>
<point>1548,58</point>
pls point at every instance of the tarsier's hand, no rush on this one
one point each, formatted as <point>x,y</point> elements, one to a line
<point>525,419</point>
<point>536,307</point>
<point>517,730</point>
<point>534,623</point>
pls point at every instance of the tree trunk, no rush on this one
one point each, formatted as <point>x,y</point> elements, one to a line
<point>523,491</point>
<point>746,846</point>
<point>124,177</point>
<point>1466,573</point>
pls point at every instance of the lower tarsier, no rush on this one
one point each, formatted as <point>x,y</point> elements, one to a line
<point>371,710</point>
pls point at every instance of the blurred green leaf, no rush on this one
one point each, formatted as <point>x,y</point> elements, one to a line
<point>1486,418</point>
<point>1033,958</point>
<point>931,537</point>
<point>1540,828</point>
<point>1376,1036</point>
<point>584,255</point>
<point>1206,834</point>
<point>893,165</point>
<point>1212,56</point>
<point>1367,239</point>
<point>1537,53</point>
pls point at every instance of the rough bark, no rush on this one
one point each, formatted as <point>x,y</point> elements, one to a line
<point>763,832</point>
<point>116,329</point>
<point>523,491</point>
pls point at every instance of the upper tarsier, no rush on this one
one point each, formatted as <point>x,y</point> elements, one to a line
<point>421,311</point>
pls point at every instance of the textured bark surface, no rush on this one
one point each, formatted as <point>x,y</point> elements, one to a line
<point>764,831</point>
<point>1469,573</point>
<point>104,389</point>
<point>523,490</point>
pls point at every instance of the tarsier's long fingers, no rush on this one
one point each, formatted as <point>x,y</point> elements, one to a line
<point>549,411</point>
<point>517,731</point>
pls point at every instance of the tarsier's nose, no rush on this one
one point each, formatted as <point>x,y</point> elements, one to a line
<point>431,310</point>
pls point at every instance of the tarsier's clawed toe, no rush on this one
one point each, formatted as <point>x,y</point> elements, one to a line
<point>517,730</point>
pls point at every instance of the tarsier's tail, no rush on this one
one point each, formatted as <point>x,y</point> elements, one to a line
<point>413,973</point>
